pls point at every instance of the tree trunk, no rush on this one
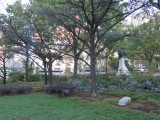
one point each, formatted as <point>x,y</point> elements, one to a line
<point>75,66</point>
<point>50,72</point>
<point>27,64</point>
<point>107,67</point>
<point>4,72</point>
<point>93,77</point>
<point>75,56</point>
<point>45,72</point>
<point>150,67</point>
<point>93,68</point>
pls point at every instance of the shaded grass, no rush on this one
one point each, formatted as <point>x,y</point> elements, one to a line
<point>47,107</point>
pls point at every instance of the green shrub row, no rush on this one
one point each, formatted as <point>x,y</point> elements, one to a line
<point>105,80</point>
<point>18,76</point>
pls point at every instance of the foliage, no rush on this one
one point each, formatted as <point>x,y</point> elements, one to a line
<point>110,82</point>
<point>19,26</point>
<point>34,77</point>
<point>107,80</point>
<point>79,80</point>
<point>113,62</point>
<point>144,45</point>
<point>16,76</point>
<point>97,20</point>
<point>130,67</point>
<point>38,84</point>
<point>60,79</point>
<point>6,54</point>
<point>1,81</point>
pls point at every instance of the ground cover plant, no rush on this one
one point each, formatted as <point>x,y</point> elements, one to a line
<point>144,95</point>
<point>104,82</point>
<point>40,106</point>
<point>113,82</point>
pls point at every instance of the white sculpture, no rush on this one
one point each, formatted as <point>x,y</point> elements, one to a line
<point>122,69</point>
<point>123,101</point>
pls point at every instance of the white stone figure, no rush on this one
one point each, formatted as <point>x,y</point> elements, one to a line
<point>122,69</point>
<point>123,101</point>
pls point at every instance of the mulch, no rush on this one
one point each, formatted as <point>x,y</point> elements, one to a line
<point>146,106</point>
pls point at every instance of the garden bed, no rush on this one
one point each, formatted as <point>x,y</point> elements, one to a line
<point>142,105</point>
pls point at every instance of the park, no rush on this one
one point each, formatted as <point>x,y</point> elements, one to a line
<point>80,60</point>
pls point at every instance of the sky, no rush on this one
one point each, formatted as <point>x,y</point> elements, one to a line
<point>3,4</point>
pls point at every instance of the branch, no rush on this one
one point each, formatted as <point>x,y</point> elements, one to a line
<point>78,57</point>
<point>2,73</point>
<point>73,32</point>
<point>157,5</point>
<point>103,14</point>
<point>36,63</point>
<point>121,20</point>
<point>111,41</point>
<point>26,43</point>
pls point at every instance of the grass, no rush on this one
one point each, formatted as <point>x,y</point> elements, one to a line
<point>40,106</point>
<point>110,101</point>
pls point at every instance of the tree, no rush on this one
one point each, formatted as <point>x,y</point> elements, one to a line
<point>5,55</point>
<point>146,43</point>
<point>75,51</point>
<point>97,18</point>
<point>21,30</point>
<point>52,42</point>
<point>155,3</point>
<point>19,27</point>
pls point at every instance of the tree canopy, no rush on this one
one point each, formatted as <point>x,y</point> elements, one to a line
<point>97,19</point>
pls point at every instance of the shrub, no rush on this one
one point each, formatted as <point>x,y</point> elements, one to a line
<point>37,85</point>
<point>80,80</point>
<point>60,79</point>
<point>111,82</point>
<point>123,77</point>
<point>17,76</point>
<point>101,92</point>
<point>108,80</point>
<point>34,77</point>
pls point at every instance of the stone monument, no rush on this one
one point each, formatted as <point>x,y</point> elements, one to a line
<point>122,69</point>
<point>124,101</point>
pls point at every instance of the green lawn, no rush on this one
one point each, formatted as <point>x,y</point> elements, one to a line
<point>40,106</point>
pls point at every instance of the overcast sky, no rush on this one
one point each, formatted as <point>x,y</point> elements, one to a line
<point>3,4</point>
